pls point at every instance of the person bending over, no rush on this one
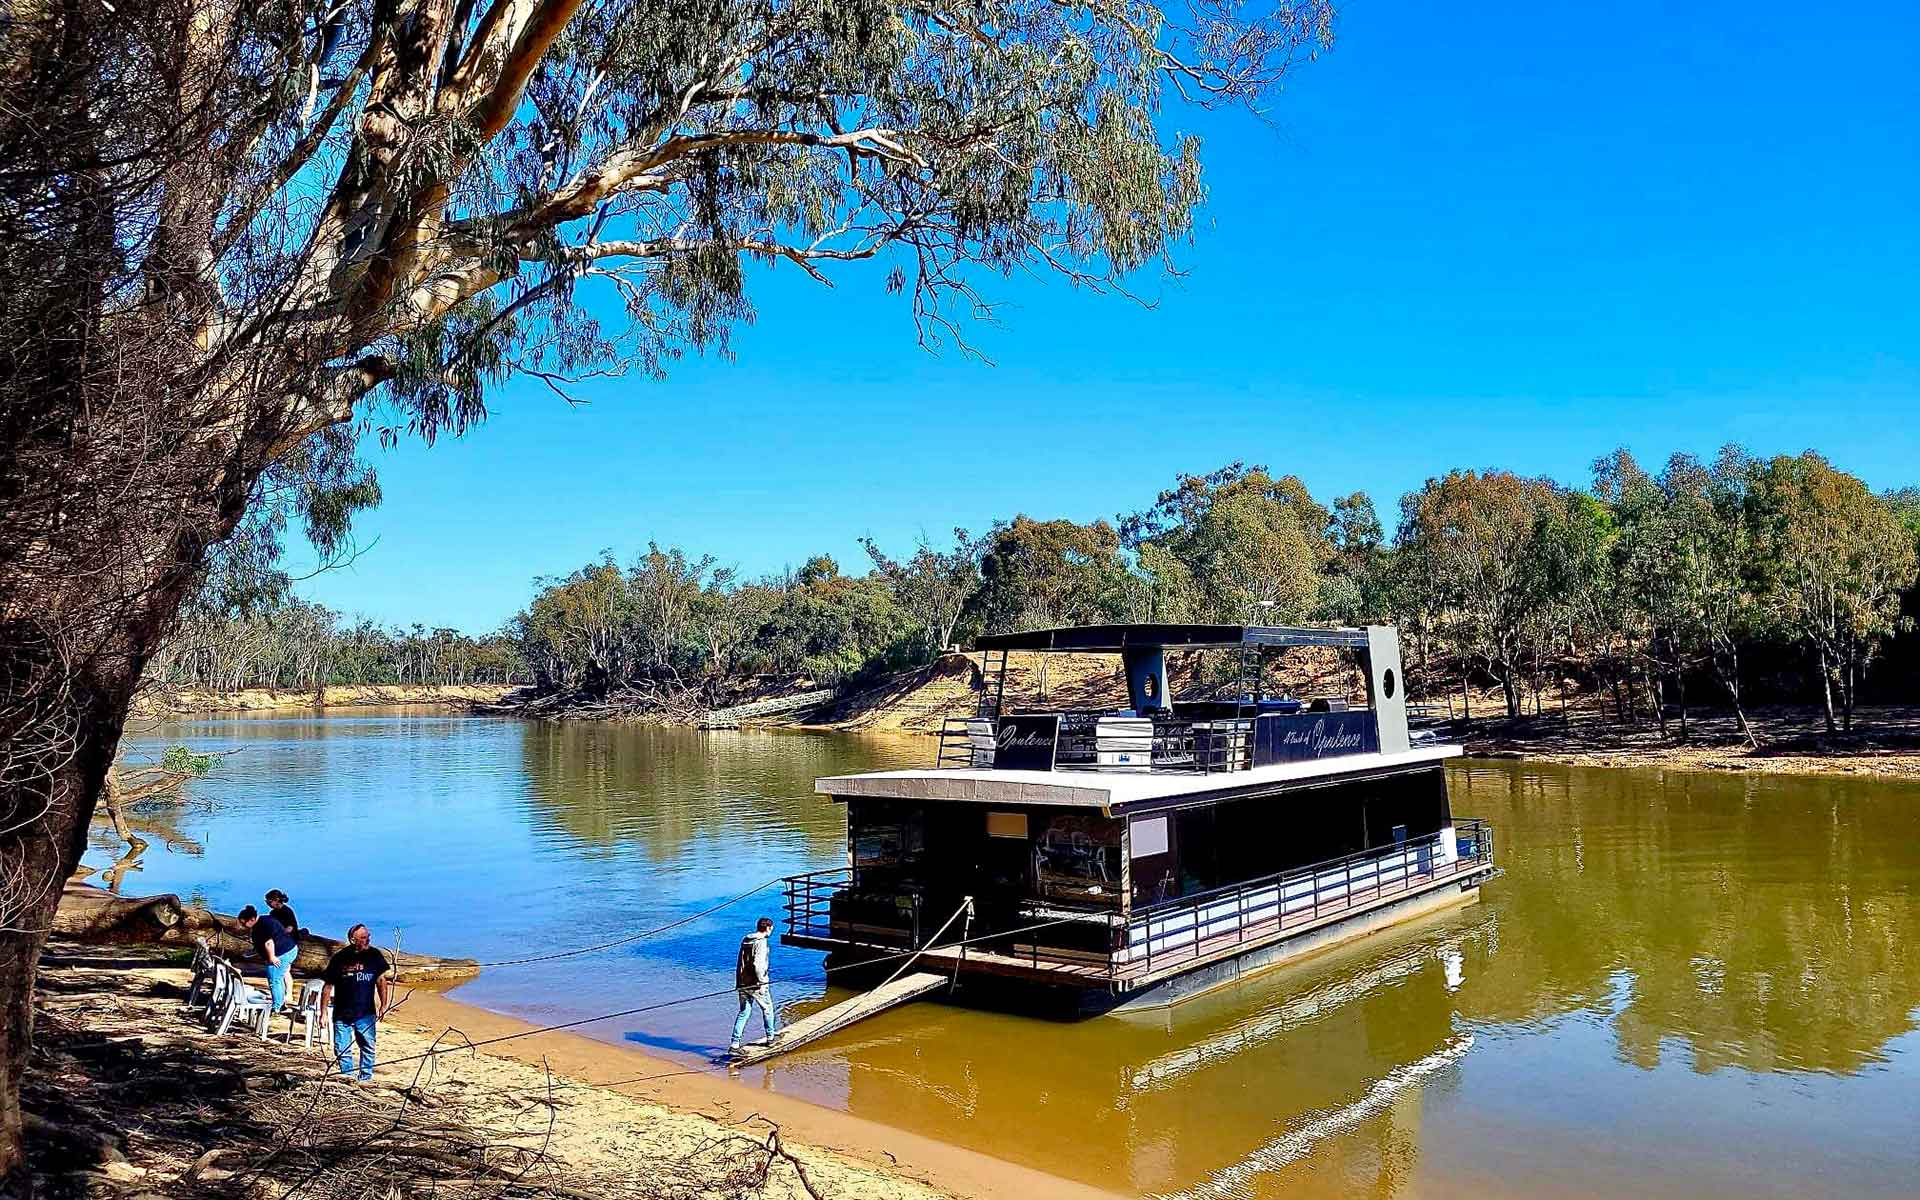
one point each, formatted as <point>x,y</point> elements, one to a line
<point>276,944</point>
<point>750,977</point>
<point>357,986</point>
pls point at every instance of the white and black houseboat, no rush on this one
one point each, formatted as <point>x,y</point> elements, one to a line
<point>1133,857</point>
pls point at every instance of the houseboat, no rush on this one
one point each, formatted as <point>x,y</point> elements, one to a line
<point>1131,857</point>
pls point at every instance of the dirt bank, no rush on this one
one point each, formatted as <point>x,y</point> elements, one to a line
<point>130,1098</point>
<point>170,702</point>
<point>1884,742</point>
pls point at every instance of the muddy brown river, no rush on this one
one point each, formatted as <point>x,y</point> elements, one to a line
<point>1682,984</point>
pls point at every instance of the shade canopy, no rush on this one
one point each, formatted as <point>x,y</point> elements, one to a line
<point>1115,639</point>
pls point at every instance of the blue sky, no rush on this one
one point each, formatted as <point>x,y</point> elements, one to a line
<point>1495,235</point>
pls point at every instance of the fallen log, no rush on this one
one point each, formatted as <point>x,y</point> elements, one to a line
<point>92,914</point>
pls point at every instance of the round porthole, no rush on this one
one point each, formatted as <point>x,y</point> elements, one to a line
<point>1386,683</point>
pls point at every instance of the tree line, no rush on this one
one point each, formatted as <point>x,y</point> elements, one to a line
<point>289,643</point>
<point>1783,574</point>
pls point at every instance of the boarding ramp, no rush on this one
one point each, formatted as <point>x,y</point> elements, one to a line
<point>836,1017</point>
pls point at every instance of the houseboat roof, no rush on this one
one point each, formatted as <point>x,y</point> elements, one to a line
<point>1113,639</point>
<point>1114,793</point>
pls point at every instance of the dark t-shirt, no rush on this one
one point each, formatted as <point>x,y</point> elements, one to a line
<point>267,929</point>
<point>353,974</point>
<point>283,913</point>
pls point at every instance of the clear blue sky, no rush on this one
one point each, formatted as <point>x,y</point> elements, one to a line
<point>1493,235</point>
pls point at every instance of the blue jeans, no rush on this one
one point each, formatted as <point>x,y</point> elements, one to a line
<point>277,978</point>
<point>762,996</point>
<point>345,1034</point>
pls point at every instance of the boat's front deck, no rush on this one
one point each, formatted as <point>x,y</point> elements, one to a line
<point>1171,938</point>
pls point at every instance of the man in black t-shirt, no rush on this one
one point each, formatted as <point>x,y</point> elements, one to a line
<point>357,986</point>
<point>276,944</point>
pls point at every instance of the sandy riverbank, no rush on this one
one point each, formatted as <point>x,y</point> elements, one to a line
<point>718,1096</point>
<point>583,1115</point>
<point>1885,742</point>
<point>169,702</point>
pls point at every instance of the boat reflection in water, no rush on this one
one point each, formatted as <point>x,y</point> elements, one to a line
<point>1165,1100</point>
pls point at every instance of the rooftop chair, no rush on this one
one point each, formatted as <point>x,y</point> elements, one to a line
<point>249,1006</point>
<point>309,1014</point>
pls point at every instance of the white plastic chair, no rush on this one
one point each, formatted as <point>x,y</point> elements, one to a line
<point>249,1006</point>
<point>219,983</point>
<point>203,974</point>
<point>311,1017</point>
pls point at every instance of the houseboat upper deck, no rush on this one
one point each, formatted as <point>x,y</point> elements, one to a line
<point>1136,854</point>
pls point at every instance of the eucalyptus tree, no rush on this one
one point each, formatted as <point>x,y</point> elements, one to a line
<point>1838,559</point>
<point>1253,547</point>
<point>1474,542</point>
<point>229,229</point>
<point>1036,574</point>
<point>933,585</point>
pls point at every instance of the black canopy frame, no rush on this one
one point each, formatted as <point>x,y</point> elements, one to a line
<point>1251,641</point>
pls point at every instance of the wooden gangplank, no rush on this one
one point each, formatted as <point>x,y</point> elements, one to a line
<point>838,1016</point>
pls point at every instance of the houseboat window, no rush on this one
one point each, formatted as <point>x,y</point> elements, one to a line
<point>1149,837</point>
<point>1007,825</point>
<point>1405,806</point>
<point>1197,830</point>
<point>1077,858</point>
<point>886,836</point>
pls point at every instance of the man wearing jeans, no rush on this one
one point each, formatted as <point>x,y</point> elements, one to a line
<point>357,986</point>
<point>751,979</point>
<point>275,943</point>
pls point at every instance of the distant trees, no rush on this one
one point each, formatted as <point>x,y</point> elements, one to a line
<point>1641,586</point>
<point>298,645</point>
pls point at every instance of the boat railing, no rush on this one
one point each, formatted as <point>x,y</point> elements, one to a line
<point>1155,745</point>
<point>810,900</point>
<point>1168,932</point>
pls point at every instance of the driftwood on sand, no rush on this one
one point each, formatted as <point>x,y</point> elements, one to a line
<point>93,914</point>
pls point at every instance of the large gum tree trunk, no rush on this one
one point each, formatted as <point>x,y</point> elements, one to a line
<point>85,600</point>
<point>61,742</point>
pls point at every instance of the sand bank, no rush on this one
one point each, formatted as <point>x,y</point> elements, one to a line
<point>572,1103</point>
<point>168,702</point>
<point>717,1098</point>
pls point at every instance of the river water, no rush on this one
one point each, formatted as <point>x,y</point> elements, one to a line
<point>1683,984</point>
